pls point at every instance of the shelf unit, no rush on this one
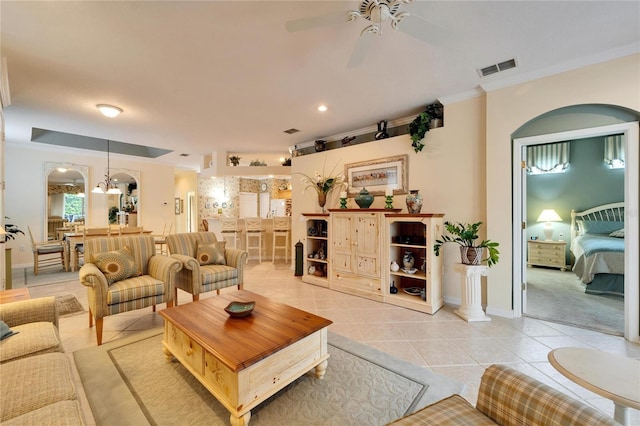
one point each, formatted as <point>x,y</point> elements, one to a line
<point>415,233</point>
<point>316,249</point>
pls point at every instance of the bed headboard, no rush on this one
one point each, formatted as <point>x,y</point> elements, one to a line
<point>605,212</point>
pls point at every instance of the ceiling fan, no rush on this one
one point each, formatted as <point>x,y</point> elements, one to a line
<point>378,12</point>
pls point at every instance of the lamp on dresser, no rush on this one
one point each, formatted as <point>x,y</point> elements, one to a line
<point>548,216</point>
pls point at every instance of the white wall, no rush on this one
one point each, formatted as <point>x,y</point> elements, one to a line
<point>25,192</point>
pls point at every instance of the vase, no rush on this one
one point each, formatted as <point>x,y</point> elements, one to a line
<point>394,266</point>
<point>414,201</point>
<point>408,260</point>
<point>322,200</point>
<point>471,255</point>
<point>393,289</point>
<point>364,199</point>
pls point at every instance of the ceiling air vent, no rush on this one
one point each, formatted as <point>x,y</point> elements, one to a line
<point>184,155</point>
<point>502,66</point>
<point>291,131</point>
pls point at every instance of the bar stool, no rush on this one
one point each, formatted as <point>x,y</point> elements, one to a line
<point>230,230</point>
<point>254,231</point>
<point>281,230</point>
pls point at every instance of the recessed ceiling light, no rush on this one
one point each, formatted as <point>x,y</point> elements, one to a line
<point>109,110</point>
<point>322,108</point>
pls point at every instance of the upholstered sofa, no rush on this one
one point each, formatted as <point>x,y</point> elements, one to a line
<point>123,274</point>
<point>509,398</point>
<point>201,272</point>
<point>36,383</point>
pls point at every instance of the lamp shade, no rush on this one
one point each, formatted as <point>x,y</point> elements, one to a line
<point>549,215</point>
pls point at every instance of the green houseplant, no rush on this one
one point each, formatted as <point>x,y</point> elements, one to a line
<point>234,159</point>
<point>11,231</point>
<point>466,235</point>
<point>427,119</point>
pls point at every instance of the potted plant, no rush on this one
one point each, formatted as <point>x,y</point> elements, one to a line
<point>286,162</point>
<point>11,231</point>
<point>466,235</point>
<point>234,159</point>
<point>428,119</point>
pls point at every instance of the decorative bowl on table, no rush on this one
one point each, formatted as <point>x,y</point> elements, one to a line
<point>240,309</point>
<point>409,271</point>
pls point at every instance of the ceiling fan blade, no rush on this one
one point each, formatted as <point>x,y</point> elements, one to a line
<point>360,50</point>
<point>316,21</point>
<point>424,30</point>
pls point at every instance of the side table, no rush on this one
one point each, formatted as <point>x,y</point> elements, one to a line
<point>471,299</point>
<point>14,295</point>
<point>612,376</point>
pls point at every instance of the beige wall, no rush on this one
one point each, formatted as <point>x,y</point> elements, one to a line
<point>449,173</point>
<point>25,193</point>
<point>615,82</point>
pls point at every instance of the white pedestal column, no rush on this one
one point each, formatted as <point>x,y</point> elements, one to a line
<point>471,300</point>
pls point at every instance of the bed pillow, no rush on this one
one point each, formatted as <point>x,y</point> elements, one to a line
<point>601,226</point>
<point>210,253</point>
<point>618,234</point>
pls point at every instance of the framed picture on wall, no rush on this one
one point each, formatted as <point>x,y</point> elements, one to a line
<point>177,205</point>
<point>378,175</point>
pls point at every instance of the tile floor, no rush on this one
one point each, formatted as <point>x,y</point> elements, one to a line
<point>443,342</point>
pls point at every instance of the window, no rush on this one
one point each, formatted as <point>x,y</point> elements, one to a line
<point>548,158</point>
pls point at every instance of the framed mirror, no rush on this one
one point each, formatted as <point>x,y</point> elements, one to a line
<point>66,187</point>
<point>124,209</point>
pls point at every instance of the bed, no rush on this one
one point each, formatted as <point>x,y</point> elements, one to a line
<point>597,244</point>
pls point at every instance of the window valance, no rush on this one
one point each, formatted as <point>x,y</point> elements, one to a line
<point>548,158</point>
<point>614,151</point>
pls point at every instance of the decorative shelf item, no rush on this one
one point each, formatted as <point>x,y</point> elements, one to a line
<point>364,199</point>
<point>240,309</point>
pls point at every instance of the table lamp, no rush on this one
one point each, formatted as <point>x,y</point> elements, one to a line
<point>548,216</point>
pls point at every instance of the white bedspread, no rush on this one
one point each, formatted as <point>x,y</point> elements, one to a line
<point>599,263</point>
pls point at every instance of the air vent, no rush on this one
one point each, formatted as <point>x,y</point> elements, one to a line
<point>502,66</point>
<point>184,155</point>
<point>291,131</point>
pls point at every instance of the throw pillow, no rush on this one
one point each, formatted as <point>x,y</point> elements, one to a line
<point>601,226</point>
<point>116,265</point>
<point>5,331</point>
<point>618,234</point>
<point>210,254</point>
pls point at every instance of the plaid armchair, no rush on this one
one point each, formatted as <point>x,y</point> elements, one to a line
<point>111,290</point>
<point>195,278</point>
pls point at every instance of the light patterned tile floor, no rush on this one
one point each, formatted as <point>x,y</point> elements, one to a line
<point>443,342</point>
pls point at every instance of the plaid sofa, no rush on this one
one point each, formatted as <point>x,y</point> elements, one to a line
<point>36,382</point>
<point>195,278</point>
<point>509,398</point>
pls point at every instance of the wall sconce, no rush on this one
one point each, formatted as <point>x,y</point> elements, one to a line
<point>548,216</point>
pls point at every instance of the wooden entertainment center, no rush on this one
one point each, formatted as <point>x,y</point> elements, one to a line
<point>351,250</point>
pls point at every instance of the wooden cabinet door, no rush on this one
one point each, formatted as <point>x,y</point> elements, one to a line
<point>367,245</point>
<point>342,238</point>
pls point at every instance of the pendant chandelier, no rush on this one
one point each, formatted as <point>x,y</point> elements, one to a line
<point>108,186</point>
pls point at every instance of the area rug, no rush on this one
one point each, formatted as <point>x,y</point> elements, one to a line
<point>558,296</point>
<point>129,382</point>
<point>68,304</point>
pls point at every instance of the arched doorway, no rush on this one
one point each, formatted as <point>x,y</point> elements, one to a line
<point>534,133</point>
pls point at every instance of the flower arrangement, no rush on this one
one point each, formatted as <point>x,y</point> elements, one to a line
<point>322,184</point>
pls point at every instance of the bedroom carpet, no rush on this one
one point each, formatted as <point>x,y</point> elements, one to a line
<point>129,382</point>
<point>558,296</point>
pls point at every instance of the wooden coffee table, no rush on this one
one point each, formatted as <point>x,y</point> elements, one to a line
<point>243,361</point>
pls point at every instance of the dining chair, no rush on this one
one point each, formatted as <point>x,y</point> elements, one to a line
<point>79,248</point>
<point>130,230</point>
<point>47,253</point>
<point>253,233</point>
<point>161,240</point>
<point>281,231</point>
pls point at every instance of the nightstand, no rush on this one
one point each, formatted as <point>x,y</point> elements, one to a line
<point>547,253</point>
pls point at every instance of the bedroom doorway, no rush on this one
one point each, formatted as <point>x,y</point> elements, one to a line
<point>632,292</point>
